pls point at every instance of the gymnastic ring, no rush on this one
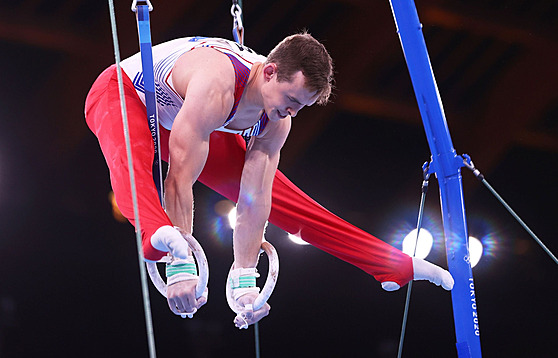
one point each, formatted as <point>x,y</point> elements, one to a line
<point>201,260</point>
<point>271,281</point>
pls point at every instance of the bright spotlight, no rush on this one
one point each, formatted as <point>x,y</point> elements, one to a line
<point>424,246</point>
<point>475,250</point>
<point>232,217</point>
<point>297,240</point>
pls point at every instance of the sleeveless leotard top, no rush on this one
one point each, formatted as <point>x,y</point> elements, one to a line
<point>168,99</point>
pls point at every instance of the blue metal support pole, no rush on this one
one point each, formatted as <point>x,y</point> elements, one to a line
<point>146,52</point>
<point>446,164</point>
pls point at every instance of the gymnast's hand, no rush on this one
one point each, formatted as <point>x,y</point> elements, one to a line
<point>248,316</point>
<point>181,297</point>
<point>181,271</point>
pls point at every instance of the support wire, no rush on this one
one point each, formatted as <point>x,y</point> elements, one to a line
<point>521,222</point>
<point>469,164</point>
<point>257,339</point>
<point>410,284</point>
<point>143,275</point>
<point>238,35</point>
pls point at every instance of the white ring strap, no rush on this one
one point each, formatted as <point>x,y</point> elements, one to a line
<point>203,268</point>
<point>267,290</point>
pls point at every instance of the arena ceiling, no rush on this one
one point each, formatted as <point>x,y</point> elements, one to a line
<point>495,65</point>
<point>493,60</point>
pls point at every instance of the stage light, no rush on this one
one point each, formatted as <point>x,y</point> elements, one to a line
<point>232,217</point>
<point>475,250</point>
<point>223,207</point>
<point>425,241</point>
<point>297,240</point>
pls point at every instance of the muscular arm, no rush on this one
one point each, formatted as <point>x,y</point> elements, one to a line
<point>205,79</point>
<point>189,146</point>
<point>254,202</point>
<point>208,98</point>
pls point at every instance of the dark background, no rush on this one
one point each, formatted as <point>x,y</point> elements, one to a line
<point>69,278</point>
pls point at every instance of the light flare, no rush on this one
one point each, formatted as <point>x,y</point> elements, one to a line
<point>297,239</point>
<point>423,244</point>
<point>475,250</point>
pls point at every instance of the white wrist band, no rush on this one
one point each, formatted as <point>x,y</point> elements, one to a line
<point>181,270</point>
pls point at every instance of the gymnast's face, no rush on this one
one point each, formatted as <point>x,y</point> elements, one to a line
<point>283,98</point>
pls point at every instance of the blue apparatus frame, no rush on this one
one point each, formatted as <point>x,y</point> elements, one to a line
<point>146,53</point>
<point>446,164</point>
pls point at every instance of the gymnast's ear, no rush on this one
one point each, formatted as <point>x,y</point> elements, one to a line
<point>269,70</point>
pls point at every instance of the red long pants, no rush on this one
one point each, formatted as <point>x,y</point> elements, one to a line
<point>292,210</point>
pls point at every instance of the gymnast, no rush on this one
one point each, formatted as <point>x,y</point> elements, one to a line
<point>212,94</point>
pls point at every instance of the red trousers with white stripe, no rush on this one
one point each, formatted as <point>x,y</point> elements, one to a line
<point>292,210</point>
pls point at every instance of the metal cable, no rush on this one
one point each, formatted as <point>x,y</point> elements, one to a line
<point>469,164</point>
<point>257,339</point>
<point>238,35</point>
<point>143,275</point>
<point>410,284</point>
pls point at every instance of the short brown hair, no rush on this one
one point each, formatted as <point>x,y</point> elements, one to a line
<point>302,52</point>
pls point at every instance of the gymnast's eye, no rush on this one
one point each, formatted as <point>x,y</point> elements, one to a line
<point>292,99</point>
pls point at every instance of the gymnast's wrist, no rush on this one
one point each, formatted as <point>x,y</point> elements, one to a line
<point>181,270</point>
<point>243,281</point>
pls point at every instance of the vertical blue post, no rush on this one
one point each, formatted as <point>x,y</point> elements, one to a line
<point>144,34</point>
<point>446,164</point>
